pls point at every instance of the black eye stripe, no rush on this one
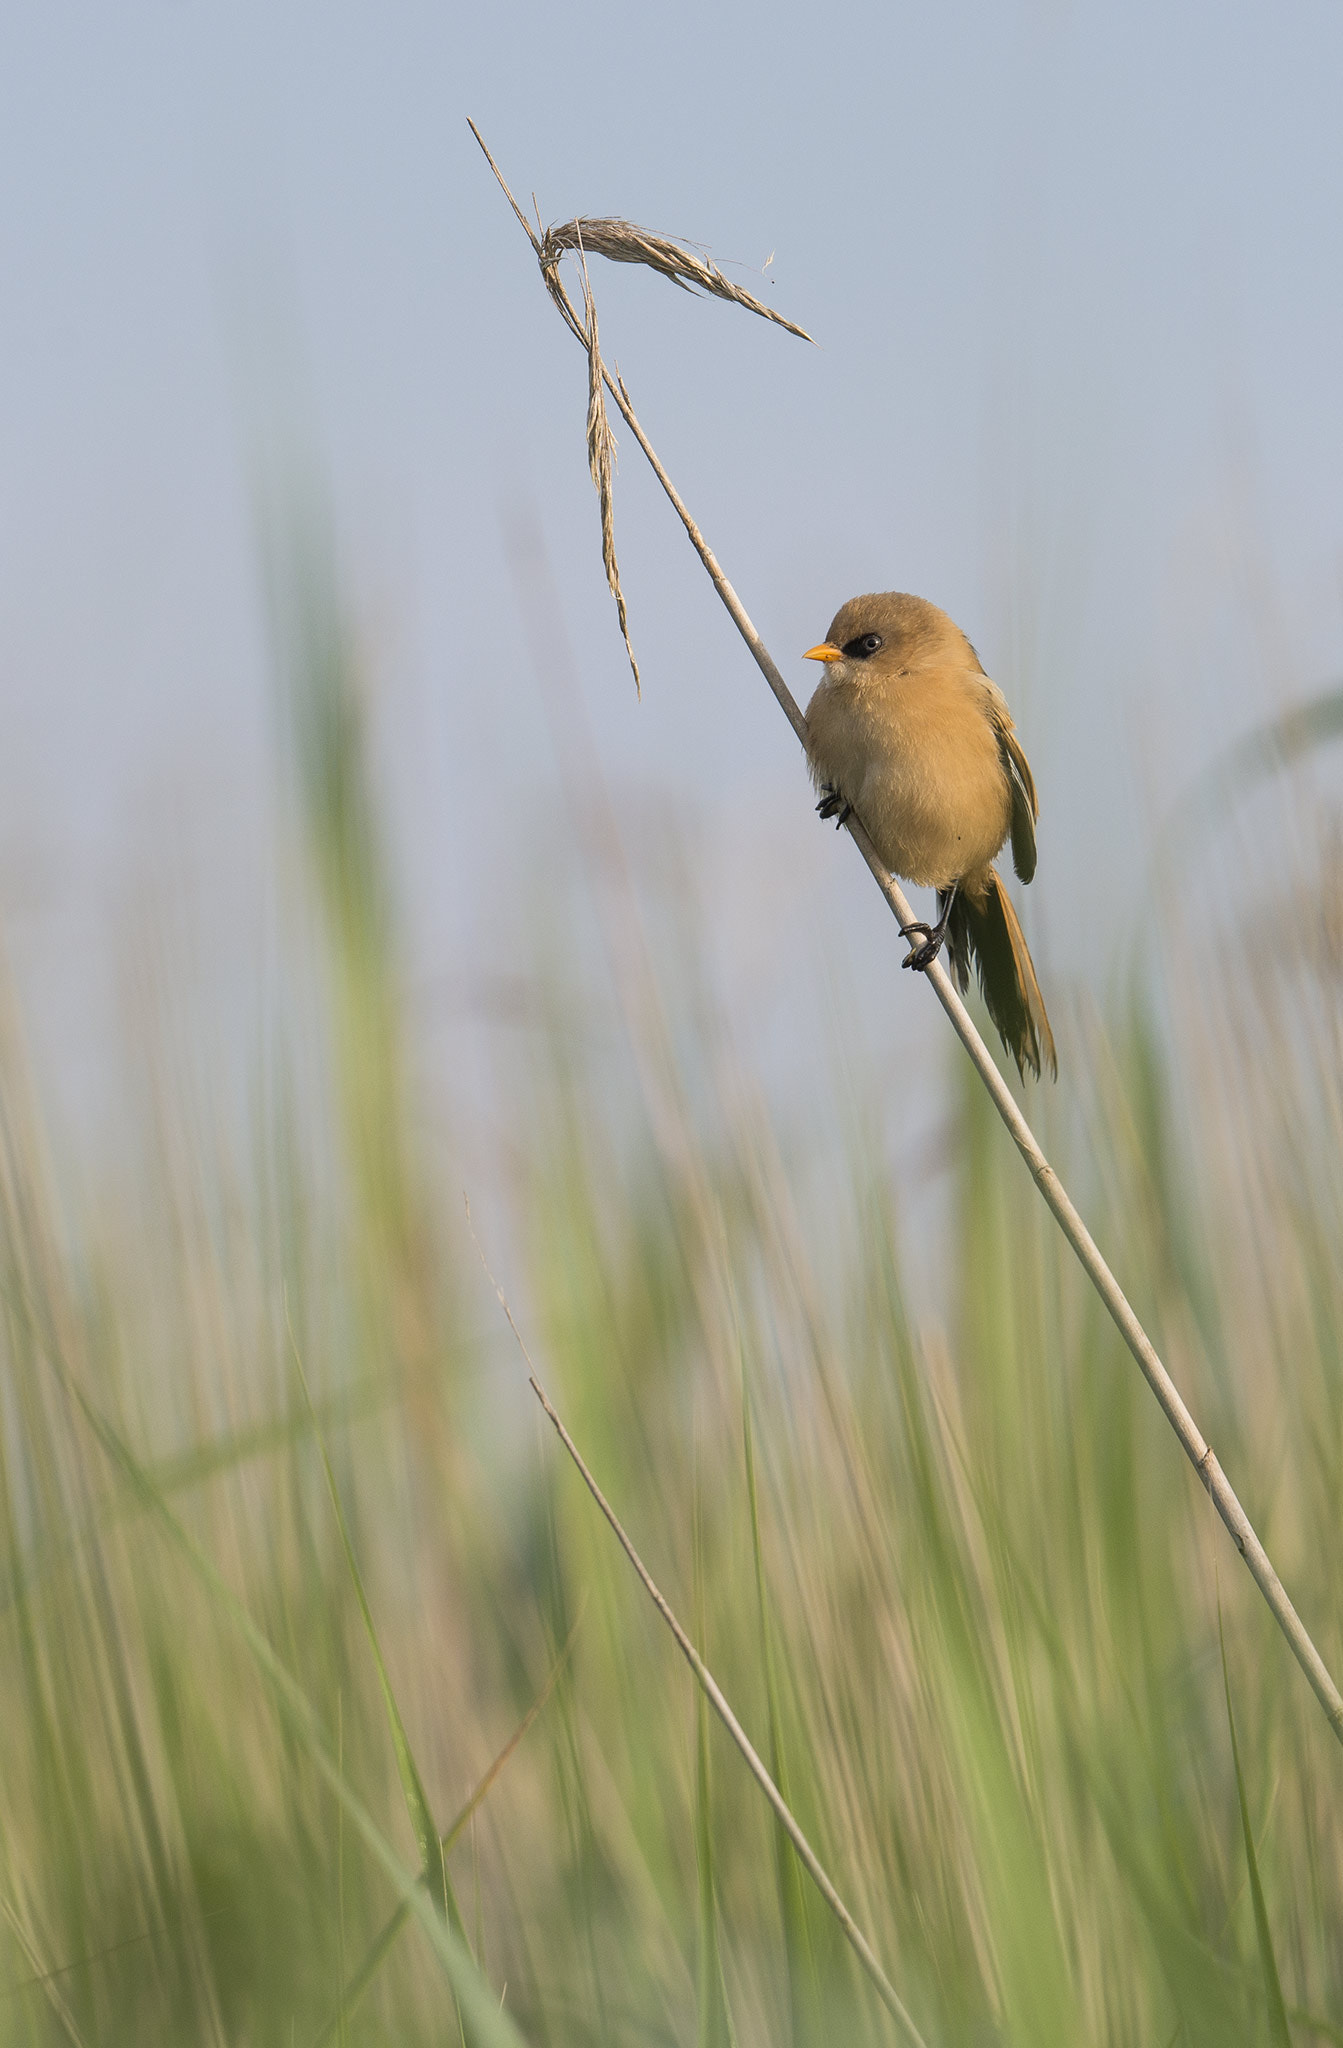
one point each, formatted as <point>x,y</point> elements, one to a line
<point>865,644</point>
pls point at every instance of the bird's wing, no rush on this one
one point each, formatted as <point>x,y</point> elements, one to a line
<point>1025,803</point>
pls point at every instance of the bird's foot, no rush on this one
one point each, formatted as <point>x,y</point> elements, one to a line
<point>833,805</point>
<point>922,957</point>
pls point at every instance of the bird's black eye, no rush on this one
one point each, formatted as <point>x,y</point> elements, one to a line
<point>867,643</point>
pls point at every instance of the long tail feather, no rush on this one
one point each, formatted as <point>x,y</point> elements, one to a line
<point>988,934</point>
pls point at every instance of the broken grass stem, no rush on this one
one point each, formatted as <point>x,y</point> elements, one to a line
<point>857,1940</point>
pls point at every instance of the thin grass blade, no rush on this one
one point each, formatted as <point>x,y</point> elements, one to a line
<point>715,2020</point>
<point>483,2019</point>
<point>383,1942</point>
<point>1268,1962</point>
<point>803,1982</point>
<point>412,1785</point>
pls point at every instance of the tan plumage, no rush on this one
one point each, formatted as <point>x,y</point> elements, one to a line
<point>908,731</point>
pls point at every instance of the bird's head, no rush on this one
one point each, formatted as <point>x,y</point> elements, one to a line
<point>888,631</point>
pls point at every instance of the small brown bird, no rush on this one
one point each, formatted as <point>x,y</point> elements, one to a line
<point>907,731</point>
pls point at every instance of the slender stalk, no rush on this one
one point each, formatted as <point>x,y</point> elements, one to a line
<point>854,1935</point>
<point>857,1940</point>
<point>1198,1451</point>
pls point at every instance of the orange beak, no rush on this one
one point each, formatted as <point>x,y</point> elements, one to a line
<point>827,651</point>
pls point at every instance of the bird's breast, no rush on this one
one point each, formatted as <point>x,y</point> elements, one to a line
<point>917,756</point>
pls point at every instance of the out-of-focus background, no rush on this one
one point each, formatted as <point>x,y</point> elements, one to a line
<point>1071,272</point>
<point>342,875</point>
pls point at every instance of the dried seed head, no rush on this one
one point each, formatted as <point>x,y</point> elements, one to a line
<point>620,241</point>
<point>601,463</point>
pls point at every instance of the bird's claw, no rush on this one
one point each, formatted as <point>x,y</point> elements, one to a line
<point>833,805</point>
<point>922,957</point>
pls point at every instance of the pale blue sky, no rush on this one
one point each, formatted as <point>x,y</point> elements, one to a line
<point>1077,276</point>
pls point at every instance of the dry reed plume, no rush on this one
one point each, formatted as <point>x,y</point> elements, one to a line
<point>619,241</point>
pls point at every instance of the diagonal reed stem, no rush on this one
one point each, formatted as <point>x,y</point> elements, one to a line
<point>1198,1451</point>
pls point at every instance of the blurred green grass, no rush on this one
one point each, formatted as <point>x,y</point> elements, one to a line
<point>953,1573</point>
